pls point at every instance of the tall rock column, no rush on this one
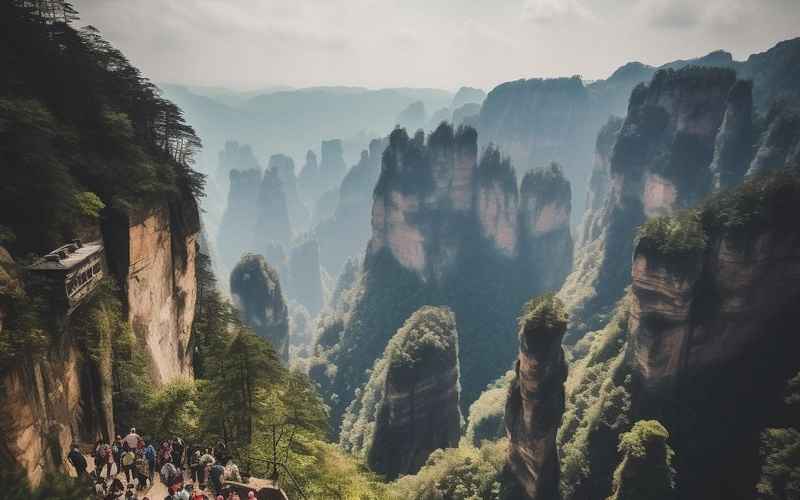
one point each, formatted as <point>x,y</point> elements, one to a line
<point>536,399</point>
<point>545,241</point>
<point>409,407</point>
<point>257,295</point>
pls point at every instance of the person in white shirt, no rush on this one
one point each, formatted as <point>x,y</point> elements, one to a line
<point>132,439</point>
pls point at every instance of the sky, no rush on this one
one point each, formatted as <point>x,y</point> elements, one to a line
<point>251,44</point>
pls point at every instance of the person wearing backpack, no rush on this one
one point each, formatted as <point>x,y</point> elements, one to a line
<point>76,459</point>
<point>150,455</point>
<point>140,469</point>
<point>127,460</point>
<point>169,474</point>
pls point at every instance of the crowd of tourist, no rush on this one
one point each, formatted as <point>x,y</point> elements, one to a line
<point>188,472</point>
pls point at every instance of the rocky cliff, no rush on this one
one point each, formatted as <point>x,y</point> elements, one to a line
<point>299,216</point>
<point>256,293</point>
<point>331,166</point>
<point>423,199</point>
<point>545,239</point>
<point>410,405</point>
<point>160,284</point>
<point>447,230</point>
<point>661,161</point>
<point>304,276</point>
<point>712,330</point>
<point>347,232</point>
<point>308,178</point>
<point>272,213</point>
<point>238,220</point>
<point>539,121</point>
<point>235,156</point>
<point>51,393</point>
<point>536,399</point>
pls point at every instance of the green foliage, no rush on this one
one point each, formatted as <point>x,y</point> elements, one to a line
<point>24,333</point>
<point>646,468</point>
<point>487,413</point>
<point>463,473</point>
<point>768,200</point>
<point>16,487</point>
<point>426,341</point>
<point>597,404</point>
<point>780,472</point>
<point>546,185</point>
<point>328,473</point>
<point>544,313</point>
<point>675,236</point>
<point>171,410</point>
<point>97,127</point>
<point>89,205</point>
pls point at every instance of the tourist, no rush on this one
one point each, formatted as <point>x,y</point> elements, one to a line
<point>164,453</point>
<point>117,490</point>
<point>169,474</point>
<point>116,448</point>
<point>177,452</point>
<point>78,462</point>
<point>215,476</point>
<point>232,472</point>
<point>150,455</point>
<point>140,469</point>
<point>195,467</point>
<point>127,461</point>
<point>129,493</point>
<point>100,490</point>
<point>206,461</point>
<point>132,439</point>
<point>104,458</point>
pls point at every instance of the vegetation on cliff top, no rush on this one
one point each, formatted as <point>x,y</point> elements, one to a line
<point>765,201</point>
<point>80,128</point>
<point>426,342</point>
<point>646,467</point>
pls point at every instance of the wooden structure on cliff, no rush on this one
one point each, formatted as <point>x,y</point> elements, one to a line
<point>71,272</point>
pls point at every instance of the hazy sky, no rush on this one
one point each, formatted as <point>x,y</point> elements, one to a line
<point>424,43</point>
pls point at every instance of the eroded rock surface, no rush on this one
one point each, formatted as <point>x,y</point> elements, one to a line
<point>256,293</point>
<point>536,399</point>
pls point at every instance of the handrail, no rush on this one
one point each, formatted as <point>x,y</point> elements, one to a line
<point>285,468</point>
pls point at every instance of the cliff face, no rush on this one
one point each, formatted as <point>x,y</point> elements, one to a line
<point>712,332</point>
<point>346,233</point>
<point>299,217</point>
<point>498,201</point>
<point>308,178</point>
<point>256,293</point>
<point>545,205</point>
<point>61,395</point>
<point>304,276</point>
<point>332,166</point>
<point>48,400</point>
<point>423,198</point>
<point>239,217</point>
<point>272,212</point>
<point>235,156</point>
<point>539,121</point>
<point>448,231</point>
<point>779,146</point>
<point>536,399</point>
<point>661,161</point>
<point>161,288</point>
<point>410,405</point>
